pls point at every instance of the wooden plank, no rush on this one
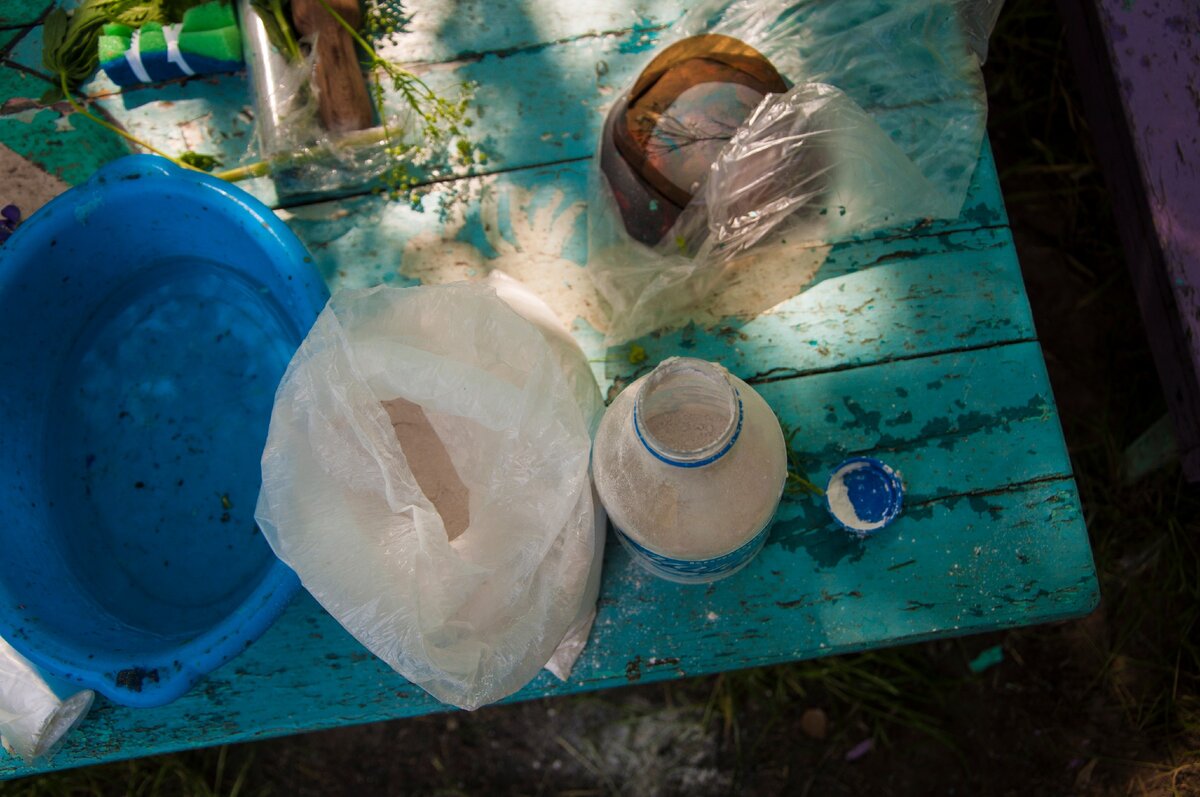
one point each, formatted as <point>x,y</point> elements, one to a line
<point>205,114</point>
<point>458,214</point>
<point>10,38</point>
<point>992,537</point>
<point>441,32</point>
<point>870,302</point>
<point>927,418</point>
<point>1143,106</point>
<point>19,13</point>
<point>914,344</point>
<point>493,32</point>
<point>65,145</point>
<point>887,297</point>
<point>534,105</point>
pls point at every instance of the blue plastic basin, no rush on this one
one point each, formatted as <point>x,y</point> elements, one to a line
<point>146,318</point>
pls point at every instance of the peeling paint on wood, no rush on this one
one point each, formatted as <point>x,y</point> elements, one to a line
<point>915,345</point>
<point>534,104</point>
<point>1143,102</point>
<point>19,13</point>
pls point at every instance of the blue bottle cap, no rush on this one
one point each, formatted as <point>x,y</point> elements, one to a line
<point>864,495</point>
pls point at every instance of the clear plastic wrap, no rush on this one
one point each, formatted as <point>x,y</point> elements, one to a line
<point>33,719</point>
<point>299,153</point>
<point>469,608</point>
<point>881,127</point>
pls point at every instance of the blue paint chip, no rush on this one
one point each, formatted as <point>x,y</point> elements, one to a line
<point>987,659</point>
<point>864,495</point>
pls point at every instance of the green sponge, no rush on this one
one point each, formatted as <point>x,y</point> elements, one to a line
<point>211,30</point>
<point>153,40</point>
<point>206,41</point>
<point>114,40</point>
<point>209,16</point>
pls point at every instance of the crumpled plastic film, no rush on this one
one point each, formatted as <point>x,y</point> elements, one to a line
<point>33,720</point>
<point>303,157</point>
<point>774,178</point>
<point>889,57</point>
<point>881,127</point>
<point>582,383</point>
<point>469,619</point>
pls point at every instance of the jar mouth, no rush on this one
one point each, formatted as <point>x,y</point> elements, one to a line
<point>687,412</point>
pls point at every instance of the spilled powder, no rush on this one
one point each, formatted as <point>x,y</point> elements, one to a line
<point>430,464</point>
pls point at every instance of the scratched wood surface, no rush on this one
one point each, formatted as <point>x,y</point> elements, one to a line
<point>915,345</point>
<point>1143,103</point>
<point>18,13</point>
<point>536,103</point>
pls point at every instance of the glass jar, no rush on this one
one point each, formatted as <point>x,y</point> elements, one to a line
<point>690,463</point>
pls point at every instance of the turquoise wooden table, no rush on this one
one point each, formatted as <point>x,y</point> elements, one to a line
<point>915,345</point>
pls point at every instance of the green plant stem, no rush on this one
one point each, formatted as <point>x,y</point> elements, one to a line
<point>356,138</point>
<point>414,90</point>
<point>286,26</point>
<point>392,69</point>
<point>235,175</point>
<point>349,28</point>
<point>127,136</point>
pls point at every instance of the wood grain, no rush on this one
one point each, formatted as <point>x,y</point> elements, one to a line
<point>981,545</point>
<point>341,87</point>
<point>915,345</point>
<point>535,103</point>
<point>21,13</point>
<point>1143,102</point>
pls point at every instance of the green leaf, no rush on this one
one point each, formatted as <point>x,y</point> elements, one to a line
<point>205,163</point>
<point>52,95</point>
<point>70,41</point>
<point>54,31</point>
<point>279,31</point>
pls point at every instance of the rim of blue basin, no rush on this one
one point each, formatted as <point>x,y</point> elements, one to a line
<point>274,263</point>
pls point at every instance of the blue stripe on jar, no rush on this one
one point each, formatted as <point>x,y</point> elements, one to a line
<point>695,571</point>
<point>680,463</point>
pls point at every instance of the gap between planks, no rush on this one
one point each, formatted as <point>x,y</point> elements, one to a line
<point>783,373</point>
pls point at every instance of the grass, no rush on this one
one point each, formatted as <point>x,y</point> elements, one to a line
<point>217,772</point>
<point>1147,551</point>
<point>878,691</point>
<point>1145,536</point>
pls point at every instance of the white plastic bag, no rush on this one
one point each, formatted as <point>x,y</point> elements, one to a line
<point>881,127</point>
<point>759,190</point>
<point>33,720</point>
<point>469,619</point>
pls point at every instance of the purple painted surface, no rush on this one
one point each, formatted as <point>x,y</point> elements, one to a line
<point>1139,68</point>
<point>1155,51</point>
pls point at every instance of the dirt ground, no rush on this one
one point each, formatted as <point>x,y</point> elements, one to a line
<point>1105,705</point>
